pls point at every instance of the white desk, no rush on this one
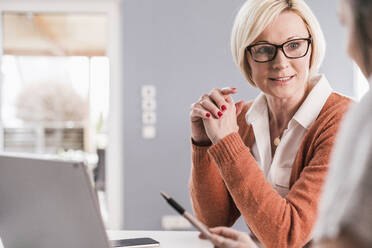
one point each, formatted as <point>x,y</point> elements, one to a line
<point>167,239</point>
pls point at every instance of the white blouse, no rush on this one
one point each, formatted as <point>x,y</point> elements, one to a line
<point>277,169</point>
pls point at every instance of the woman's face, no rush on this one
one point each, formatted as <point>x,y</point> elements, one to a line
<point>282,77</point>
<point>353,48</point>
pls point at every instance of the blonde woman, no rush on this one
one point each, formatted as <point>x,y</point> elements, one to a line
<point>345,217</point>
<point>267,159</point>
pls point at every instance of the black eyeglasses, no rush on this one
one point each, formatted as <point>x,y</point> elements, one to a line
<point>292,49</point>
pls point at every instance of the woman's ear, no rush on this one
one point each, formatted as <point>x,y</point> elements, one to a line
<point>311,55</point>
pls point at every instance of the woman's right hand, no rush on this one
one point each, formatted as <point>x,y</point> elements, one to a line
<point>225,237</point>
<point>198,113</point>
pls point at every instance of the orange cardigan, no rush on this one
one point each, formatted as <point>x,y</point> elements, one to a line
<point>226,181</point>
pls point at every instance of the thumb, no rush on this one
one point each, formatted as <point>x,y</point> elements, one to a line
<point>239,107</point>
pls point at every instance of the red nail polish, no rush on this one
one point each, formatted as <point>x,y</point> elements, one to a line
<point>223,107</point>
<point>219,113</point>
<point>233,88</point>
<point>208,115</point>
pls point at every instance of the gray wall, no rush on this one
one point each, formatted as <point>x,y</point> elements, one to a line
<point>337,66</point>
<point>182,47</point>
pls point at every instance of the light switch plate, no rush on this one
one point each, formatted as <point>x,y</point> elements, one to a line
<point>148,132</point>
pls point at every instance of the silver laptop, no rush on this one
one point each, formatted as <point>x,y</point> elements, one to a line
<point>47,203</point>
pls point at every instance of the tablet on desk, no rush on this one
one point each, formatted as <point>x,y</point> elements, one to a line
<point>135,243</point>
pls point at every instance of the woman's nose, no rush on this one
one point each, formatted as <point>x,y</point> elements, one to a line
<point>280,61</point>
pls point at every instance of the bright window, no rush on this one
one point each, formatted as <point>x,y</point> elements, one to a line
<point>361,85</point>
<point>82,82</point>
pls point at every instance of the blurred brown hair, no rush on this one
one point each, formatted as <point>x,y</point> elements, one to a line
<point>362,12</point>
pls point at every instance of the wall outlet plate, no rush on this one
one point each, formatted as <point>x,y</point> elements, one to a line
<point>148,104</point>
<point>175,222</point>
<point>148,91</point>
<point>148,118</point>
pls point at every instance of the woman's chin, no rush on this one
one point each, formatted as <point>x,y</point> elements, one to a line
<point>284,93</point>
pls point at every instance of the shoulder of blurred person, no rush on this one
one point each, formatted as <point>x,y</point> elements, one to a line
<point>346,203</point>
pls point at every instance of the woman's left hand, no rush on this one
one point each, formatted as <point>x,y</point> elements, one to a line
<point>217,127</point>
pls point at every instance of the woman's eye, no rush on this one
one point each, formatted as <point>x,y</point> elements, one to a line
<point>265,50</point>
<point>293,45</point>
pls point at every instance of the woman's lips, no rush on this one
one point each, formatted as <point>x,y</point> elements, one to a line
<point>282,80</point>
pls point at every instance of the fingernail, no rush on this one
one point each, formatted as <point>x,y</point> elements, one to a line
<point>223,107</point>
<point>233,88</point>
<point>219,113</point>
<point>208,115</point>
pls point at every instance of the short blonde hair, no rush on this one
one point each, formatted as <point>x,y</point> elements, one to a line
<point>255,15</point>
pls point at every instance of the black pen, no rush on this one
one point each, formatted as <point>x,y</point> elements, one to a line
<point>196,223</point>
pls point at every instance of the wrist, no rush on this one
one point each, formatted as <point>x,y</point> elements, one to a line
<point>217,138</point>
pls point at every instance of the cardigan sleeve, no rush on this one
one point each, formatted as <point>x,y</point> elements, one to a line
<point>276,221</point>
<point>211,202</point>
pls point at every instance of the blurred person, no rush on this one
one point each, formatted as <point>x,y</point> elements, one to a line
<point>345,215</point>
<point>267,159</point>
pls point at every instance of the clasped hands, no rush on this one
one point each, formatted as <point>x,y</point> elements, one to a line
<point>214,116</point>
